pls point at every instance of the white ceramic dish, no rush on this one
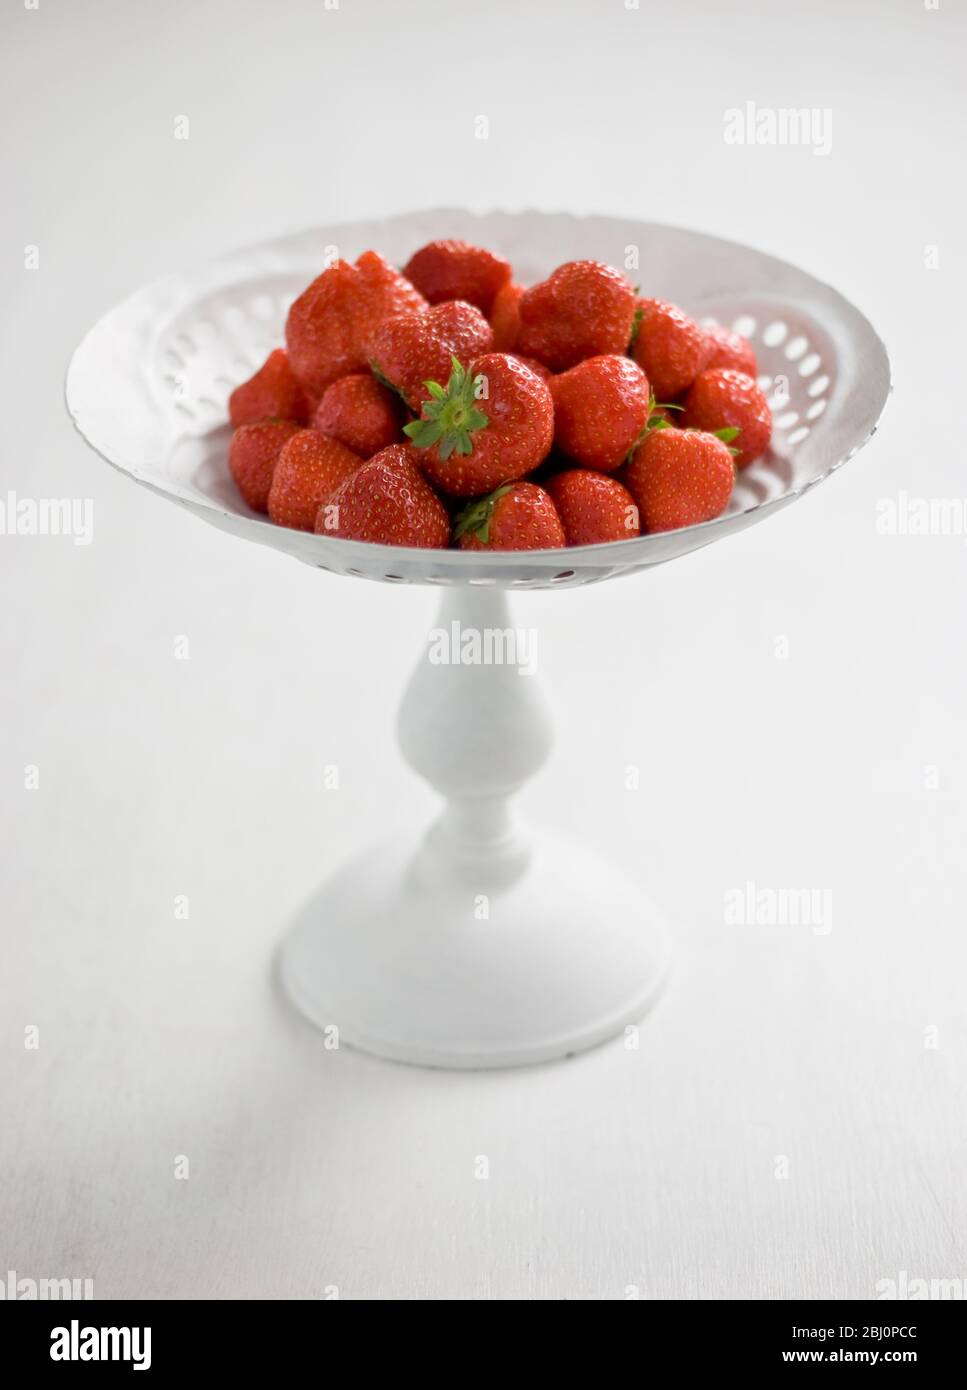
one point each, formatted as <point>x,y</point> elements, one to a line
<point>148,386</point>
<point>474,946</point>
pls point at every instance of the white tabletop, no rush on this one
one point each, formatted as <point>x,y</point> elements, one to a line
<point>794,1122</point>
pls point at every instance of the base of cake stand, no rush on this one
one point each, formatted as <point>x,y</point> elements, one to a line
<point>406,966</point>
<point>478,946</point>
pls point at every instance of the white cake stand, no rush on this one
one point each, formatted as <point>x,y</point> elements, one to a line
<point>474,944</point>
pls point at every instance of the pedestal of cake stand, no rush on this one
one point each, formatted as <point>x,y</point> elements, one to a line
<point>476,944</point>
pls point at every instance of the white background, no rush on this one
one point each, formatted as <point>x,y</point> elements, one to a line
<point>653,1168</point>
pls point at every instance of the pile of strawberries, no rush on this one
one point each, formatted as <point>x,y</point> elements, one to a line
<point>447,405</point>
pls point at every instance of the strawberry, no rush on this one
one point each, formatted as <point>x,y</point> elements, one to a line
<point>446,270</point>
<point>273,393</point>
<point>360,413</point>
<point>505,317</point>
<point>491,424</point>
<point>252,456</point>
<point>517,516</point>
<point>584,309</point>
<point>543,372</point>
<point>679,478</point>
<point>600,409</point>
<point>309,469</point>
<point>669,347</point>
<point>410,349</point>
<point>330,324</point>
<point>593,507</point>
<point>723,399</point>
<point>730,349</point>
<point>386,501</point>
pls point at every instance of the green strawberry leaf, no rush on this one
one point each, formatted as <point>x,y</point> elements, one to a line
<point>423,433</point>
<point>451,416</point>
<point>635,328</point>
<point>727,435</point>
<point>654,421</point>
<point>476,516</point>
<point>385,381</point>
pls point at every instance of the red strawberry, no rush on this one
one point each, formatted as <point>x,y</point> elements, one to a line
<point>518,516</point>
<point>360,413</point>
<point>331,322</point>
<point>455,270</point>
<point>411,349</point>
<point>670,347</point>
<point>723,399</point>
<point>730,349</point>
<point>505,317</point>
<point>543,372</point>
<point>600,409</point>
<point>252,456</point>
<point>273,393</point>
<point>386,501</point>
<point>309,469</point>
<point>679,478</point>
<point>490,425</point>
<point>583,310</point>
<point>593,507</point>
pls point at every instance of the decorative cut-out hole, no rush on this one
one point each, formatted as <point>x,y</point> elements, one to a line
<point>396,578</point>
<point>796,348</point>
<point>785,422</point>
<point>809,364</point>
<point>817,387</point>
<point>483,581</point>
<point>799,435</point>
<point>744,324</point>
<point>775,333</point>
<point>564,574</point>
<point>815,410</point>
<point>764,383</point>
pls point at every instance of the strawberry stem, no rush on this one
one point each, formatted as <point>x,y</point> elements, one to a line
<point>450,417</point>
